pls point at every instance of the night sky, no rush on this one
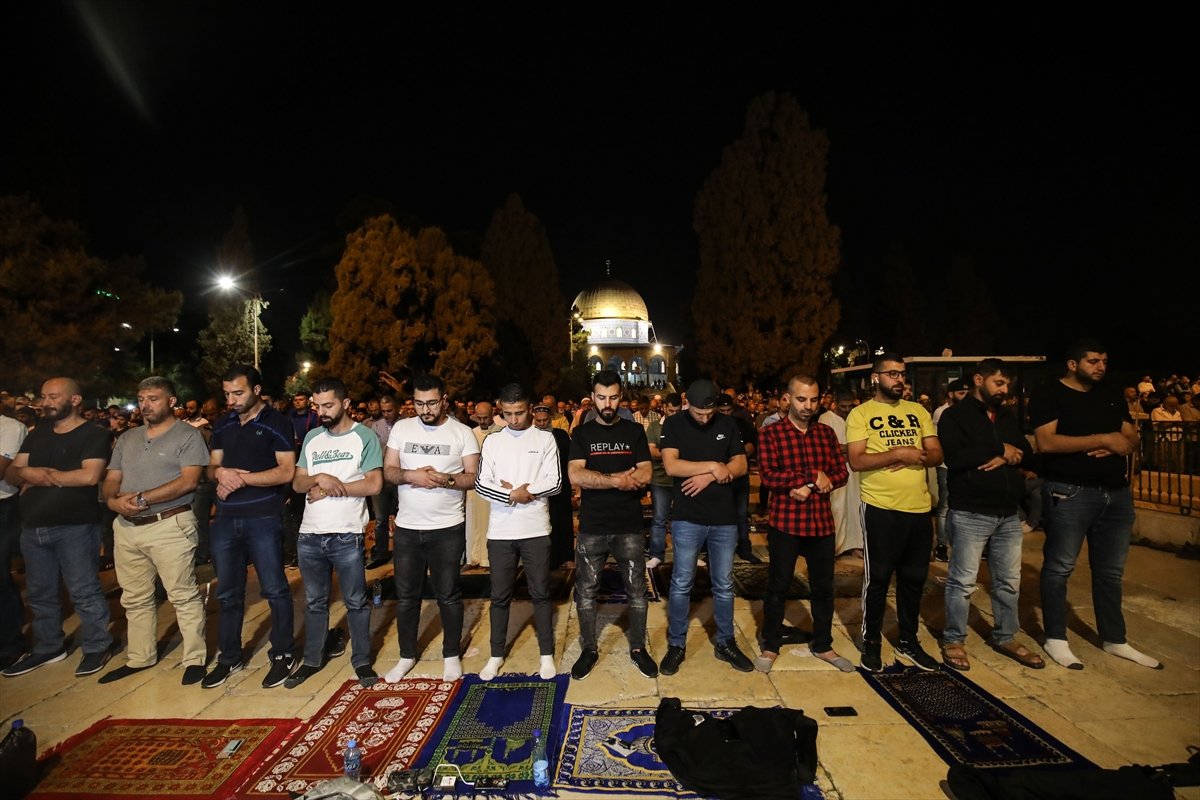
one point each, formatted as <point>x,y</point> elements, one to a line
<point>1051,151</point>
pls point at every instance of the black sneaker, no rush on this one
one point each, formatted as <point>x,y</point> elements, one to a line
<point>335,643</point>
<point>871,659</point>
<point>281,667</point>
<point>32,661</point>
<point>219,673</point>
<point>303,673</point>
<point>93,662</point>
<point>366,676</point>
<point>729,653</point>
<point>645,664</point>
<point>583,665</point>
<point>941,553</point>
<point>192,674</point>
<point>911,653</point>
<point>671,661</point>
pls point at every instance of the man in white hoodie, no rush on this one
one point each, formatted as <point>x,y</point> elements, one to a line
<point>518,471</point>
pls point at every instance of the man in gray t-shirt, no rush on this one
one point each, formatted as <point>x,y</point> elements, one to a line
<point>150,482</point>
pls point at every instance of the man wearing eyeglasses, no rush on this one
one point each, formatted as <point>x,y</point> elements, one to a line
<point>891,442</point>
<point>432,458</point>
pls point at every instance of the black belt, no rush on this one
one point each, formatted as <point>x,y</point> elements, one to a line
<point>159,517</point>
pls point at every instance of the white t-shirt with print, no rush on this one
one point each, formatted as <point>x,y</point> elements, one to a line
<point>441,447</point>
<point>348,457</point>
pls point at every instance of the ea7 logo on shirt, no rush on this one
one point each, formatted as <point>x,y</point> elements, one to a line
<point>418,449</point>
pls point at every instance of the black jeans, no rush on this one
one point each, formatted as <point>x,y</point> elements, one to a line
<point>591,551</point>
<point>818,556</point>
<point>439,551</point>
<point>534,554</point>
<point>895,542</point>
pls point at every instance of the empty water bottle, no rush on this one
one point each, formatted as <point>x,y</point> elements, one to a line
<point>18,759</point>
<point>352,760</point>
<point>541,766</point>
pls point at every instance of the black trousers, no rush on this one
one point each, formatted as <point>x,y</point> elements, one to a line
<point>895,542</point>
<point>818,556</point>
<point>534,554</point>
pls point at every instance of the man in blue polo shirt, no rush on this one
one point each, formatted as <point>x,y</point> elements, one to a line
<point>252,464</point>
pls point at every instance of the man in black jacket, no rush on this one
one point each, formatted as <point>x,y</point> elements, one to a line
<point>984,448</point>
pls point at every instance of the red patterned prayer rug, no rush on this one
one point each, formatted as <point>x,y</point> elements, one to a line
<point>164,759</point>
<point>390,721</point>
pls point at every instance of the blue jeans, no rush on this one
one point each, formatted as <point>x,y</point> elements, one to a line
<point>971,533</point>
<point>687,538</point>
<point>438,552</point>
<point>942,529</point>
<point>1105,518</point>
<point>319,554</point>
<point>661,495</point>
<point>72,551</point>
<point>236,543</point>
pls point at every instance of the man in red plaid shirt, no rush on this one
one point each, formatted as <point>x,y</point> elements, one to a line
<point>801,462</point>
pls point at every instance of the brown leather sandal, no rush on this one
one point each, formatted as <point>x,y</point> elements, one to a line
<point>955,656</point>
<point>1021,654</point>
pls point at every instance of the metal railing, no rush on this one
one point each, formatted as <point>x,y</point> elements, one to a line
<point>1165,468</point>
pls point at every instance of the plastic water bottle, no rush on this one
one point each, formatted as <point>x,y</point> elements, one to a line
<point>377,593</point>
<point>18,759</point>
<point>352,760</point>
<point>541,767</point>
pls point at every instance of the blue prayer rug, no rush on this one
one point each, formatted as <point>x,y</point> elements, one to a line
<point>490,734</point>
<point>966,725</point>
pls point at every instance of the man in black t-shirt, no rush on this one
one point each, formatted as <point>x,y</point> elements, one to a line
<point>610,461</point>
<point>1084,433</point>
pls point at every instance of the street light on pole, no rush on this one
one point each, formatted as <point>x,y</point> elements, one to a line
<point>227,283</point>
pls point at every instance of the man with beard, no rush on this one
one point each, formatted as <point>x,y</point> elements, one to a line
<point>58,468</point>
<point>252,463</point>
<point>800,459</point>
<point>702,450</point>
<point>610,461</point>
<point>955,392</point>
<point>518,473</point>
<point>1083,432</point>
<point>151,477</point>
<point>340,466</point>
<point>891,442</point>
<point>984,449</point>
<point>432,458</point>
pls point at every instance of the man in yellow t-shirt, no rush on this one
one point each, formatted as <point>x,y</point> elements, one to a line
<point>891,442</point>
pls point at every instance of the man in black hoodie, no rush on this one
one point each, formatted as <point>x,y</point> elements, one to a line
<point>984,449</point>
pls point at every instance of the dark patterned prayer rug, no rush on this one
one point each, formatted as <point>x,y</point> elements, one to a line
<point>612,587</point>
<point>163,759</point>
<point>392,722</point>
<point>611,751</point>
<point>491,731</point>
<point>967,726</point>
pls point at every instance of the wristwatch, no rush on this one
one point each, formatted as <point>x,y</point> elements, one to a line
<point>449,481</point>
<point>812,487</point>
<point>141,501</point>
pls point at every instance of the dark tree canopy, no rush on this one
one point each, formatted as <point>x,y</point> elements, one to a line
<point>764,303</point>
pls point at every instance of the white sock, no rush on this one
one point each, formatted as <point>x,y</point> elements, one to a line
<point>548,670</point>
<point>402,668</point>
<point>491,669</point>
<point>452,668</point>
<point>1060,651</point>
<point>1125,651</point>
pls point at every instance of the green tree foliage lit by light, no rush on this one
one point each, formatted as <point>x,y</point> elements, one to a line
<point>314,327</point>
<point>764,302</point>
<point>530,309</point>
<point>408,304</point>
<point>63,308</point>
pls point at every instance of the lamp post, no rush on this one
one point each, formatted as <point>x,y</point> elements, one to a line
<point>229,284</point>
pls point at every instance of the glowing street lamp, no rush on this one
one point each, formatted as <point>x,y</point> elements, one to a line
<point>228,284</point>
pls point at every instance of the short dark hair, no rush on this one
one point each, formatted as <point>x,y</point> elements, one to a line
<point>1079,348</point>
<point>990,366</point>
<point>252,376</point>
<point>427,383</point>
<point>329,385</point>
<point>842,393</point>
<point>882,357</point>
<point>673,399</point>
<point>158,382</point>
<point>606,377</point>
<point>513,393</point>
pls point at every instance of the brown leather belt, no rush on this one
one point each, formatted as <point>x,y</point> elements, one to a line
<point>159,517</point>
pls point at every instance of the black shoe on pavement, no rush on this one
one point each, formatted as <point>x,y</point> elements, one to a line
<point>583,665</point>
<point>335,643</point>
<point>218,674</point>
<point>302,673</point>
<point>94,662</point>
<point>645,664</point>
<point>793,635</point>
<point>941,553</point>
<point>671,661</point>
<point>871,659</point>
<point>911,653</point>
<point>31,661</point>
<point>729,653</point>
<point>193,674</point>
<point>121,672</point>
<point>366,676</point>
<point>281,667</point>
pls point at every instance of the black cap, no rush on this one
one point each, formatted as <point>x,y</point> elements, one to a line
<point>724,401</point>
<point>702,394</point>
<point>961,385</point>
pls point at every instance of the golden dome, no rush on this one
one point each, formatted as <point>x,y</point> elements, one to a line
<point>611,300</point>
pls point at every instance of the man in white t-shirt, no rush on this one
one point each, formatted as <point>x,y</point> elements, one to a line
<point>432,458</point>
<point>339,467</point>
<point>12,610</point>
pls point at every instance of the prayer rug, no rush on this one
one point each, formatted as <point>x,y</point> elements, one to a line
<point>161,759</point>
<point>391,721</point>
<point>491,732</point>
<point>612,588</point>
<point>611,751</point>
<point>967,726</point>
